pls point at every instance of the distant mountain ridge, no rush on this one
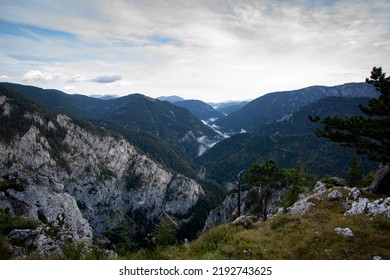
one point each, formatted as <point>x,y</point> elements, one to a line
<point>171,98</point>
<point>200,109</point>
<point>205,110</point>
<point>135,112</point>
<point>228,107</point>
<point>273,106</point>
<point>288,140</point>
<point>278,121</point>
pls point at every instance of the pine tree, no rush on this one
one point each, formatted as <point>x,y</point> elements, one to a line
<point>369,135</point>
<point>264,176</point>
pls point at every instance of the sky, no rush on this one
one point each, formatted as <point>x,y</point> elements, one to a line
<point>212,50</point>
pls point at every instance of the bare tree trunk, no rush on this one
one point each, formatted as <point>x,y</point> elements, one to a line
<point>379,178</point>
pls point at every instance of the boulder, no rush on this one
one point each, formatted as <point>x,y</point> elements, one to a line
<point>301,207</point>
<point>23,237</point>
<point>335,195</point>
<point>320,187</point>
<point>379,207</point>
<point>347,232</point>
<point>246,221</point>
<point>358,207</point>
<point>354,193</point>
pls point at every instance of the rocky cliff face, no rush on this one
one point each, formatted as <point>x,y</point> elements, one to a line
<point>251,205</point>
<point>76,179</point>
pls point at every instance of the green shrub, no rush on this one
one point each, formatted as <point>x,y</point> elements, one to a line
<point>165,233</point>
<point>9,222</point>
<point>5,250</point>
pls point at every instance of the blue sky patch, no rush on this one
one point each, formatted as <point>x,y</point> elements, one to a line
<point>31,31</point>
<point>162,40</point>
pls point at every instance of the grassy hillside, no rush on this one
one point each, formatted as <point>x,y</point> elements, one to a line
<point>307,236</point>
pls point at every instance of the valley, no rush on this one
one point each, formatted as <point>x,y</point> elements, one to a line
<point>110,173</point>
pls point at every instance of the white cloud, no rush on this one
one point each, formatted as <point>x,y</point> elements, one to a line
<point>69,88</point>
<point>73,78</point>
<point>4,78</point>
<point>39,76</point>
<point>210,50</point>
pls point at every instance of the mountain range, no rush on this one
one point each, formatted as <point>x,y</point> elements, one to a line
<point>149,160</point>
<point>175,133</point>
<point>273,106</point>
<point>77,179</point>
<point>135,116</point>
<point>289,141</point>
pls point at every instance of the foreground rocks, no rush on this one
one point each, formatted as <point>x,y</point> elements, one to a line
<point>346,232</point>
<point>364,206</point>
<point>354,203</point>
<point>336,191</point>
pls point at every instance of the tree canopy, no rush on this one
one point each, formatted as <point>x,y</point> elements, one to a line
<point>265,176</point>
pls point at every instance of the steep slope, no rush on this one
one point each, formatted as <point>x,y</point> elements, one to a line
<point>298,123</point>
<point>273,106</point>
<point>201,110</point>
<point>76,179</point>
<point>169,122</point>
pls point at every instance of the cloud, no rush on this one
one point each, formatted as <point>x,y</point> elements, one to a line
<point>39,76</point>
<point>70,88</point>
<point>4,78</point>
<point>206,50</point>
<point>107,79</point>
<point>75,78</point>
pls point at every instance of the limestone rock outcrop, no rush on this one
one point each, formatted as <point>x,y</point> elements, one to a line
<point>75,178</point>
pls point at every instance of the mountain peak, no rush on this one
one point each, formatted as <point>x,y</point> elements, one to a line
<point>171,98</point>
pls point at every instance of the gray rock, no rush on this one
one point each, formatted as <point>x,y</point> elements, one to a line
<point>335,195</point>
<point>47,246</point>
<point>226,211</point>
<point>379,207</point>
<point>57,187</point>
<point>354,193</point>
<point>320,187</point>
<point>347,232</point>
<point>246,221</point>
<point>363,206</point>
<point>22,236</point>
<point>301,206</point>
<point>377,258</point>
<point>102,176</point>
<point>358,207</point>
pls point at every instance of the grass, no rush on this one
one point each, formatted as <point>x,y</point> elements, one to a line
<point>308,236</point>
